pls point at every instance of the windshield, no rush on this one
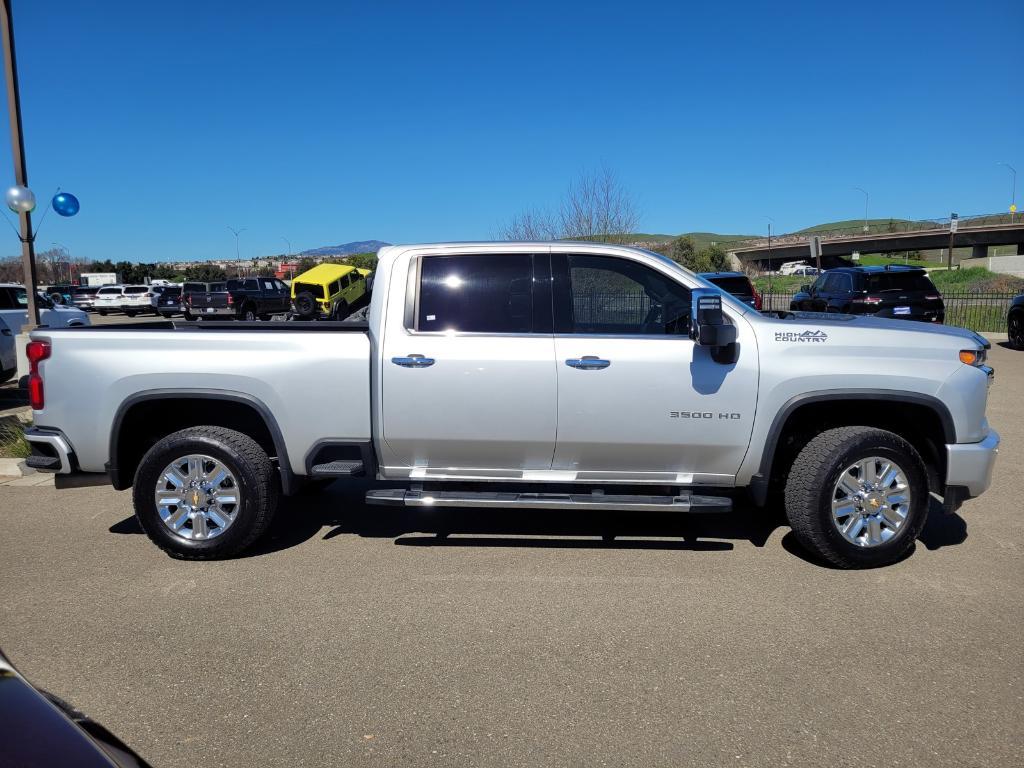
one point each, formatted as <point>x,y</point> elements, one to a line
<point>136,289</point>
<point>175,291</point>
<point>107,291</point>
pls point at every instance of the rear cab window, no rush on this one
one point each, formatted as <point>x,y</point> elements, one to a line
<point>883,282</point>
<point>732,284</point>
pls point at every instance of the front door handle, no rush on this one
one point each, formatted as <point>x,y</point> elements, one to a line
<point>588,363</point>
<point>413,361</point>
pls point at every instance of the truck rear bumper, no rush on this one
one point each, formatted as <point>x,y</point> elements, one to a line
<point>969,465</point>
<point>51,451</point>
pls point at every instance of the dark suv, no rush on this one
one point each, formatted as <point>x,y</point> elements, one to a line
<point>901,293</point>
<point>736,284</point>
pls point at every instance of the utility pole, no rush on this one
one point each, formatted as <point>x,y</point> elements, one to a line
<point>1013,190</point>
<point>28,254</point>
<point>236,233</point>
<point>954,220</point>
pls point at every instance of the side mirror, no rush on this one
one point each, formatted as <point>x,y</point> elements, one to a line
<point>805,288</point>
<point>708,326</point>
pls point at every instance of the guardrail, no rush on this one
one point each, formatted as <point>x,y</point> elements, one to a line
<point>892,226</point>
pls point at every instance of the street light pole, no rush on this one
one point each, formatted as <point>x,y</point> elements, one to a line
<point>770,265</point>
<point>865,206</point>
<point>236,233</point>
<point>28,254</point>
<point>289,243</point>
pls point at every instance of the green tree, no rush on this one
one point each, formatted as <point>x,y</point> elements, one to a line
<point>712,259</point>
<point>266,271</point>
<point>306,263</point>
<point>682,250</point>
<point>205,273</point>
<point>363,261</point>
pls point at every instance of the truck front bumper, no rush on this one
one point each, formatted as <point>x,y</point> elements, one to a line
<point>969,465</point>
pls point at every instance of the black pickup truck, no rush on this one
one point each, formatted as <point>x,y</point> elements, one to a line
<point>250,298</point>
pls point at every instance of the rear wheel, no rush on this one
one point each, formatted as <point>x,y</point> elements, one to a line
<point>857,496</point>
<point>205,493</point>
<point>341,311</point>
<point>249,314</point>
<point>130,312</point>
<point>1015,329</point>
<point>103,312</point>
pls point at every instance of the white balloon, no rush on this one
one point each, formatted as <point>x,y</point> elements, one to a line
<point>21,199</point>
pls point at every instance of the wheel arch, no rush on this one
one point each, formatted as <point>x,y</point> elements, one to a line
<point>921,419</point>
<point>147,416</point>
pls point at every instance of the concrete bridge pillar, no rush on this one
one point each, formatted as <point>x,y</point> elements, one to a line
<point>979,252</point>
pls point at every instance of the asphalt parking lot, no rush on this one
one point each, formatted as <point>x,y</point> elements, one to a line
<point>356,636</point>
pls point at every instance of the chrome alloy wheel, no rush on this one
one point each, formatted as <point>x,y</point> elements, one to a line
<point>871,501</point>
<point>197,497</point>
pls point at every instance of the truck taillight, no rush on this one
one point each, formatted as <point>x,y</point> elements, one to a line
<point>36,351</point>
<point>932,297</point>
<point>757,299</point>
<point>230,300</point>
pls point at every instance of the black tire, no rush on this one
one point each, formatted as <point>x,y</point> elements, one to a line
<point>810,488</point>
<point>305,304</point>
<point>103,312</point>
<point>1015,329</point>
<point>266,318</point>
<point>341,311</point>
<point>130,312</point>
<point>5,375</point>
<point>243,457</point>
<point>248,314</point>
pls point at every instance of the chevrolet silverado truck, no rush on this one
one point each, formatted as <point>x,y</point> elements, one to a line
<point>531,375</point>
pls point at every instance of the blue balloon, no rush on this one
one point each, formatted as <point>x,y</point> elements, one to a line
<point>65,204</point>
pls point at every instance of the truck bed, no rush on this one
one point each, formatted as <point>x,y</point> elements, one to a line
<point>311,378</point>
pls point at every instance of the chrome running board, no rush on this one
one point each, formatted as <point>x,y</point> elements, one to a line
<point>684,502</point>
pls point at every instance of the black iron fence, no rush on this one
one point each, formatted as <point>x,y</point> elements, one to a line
<point>983,312</point>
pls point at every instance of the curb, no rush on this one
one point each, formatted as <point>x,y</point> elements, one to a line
<point>14,468</point>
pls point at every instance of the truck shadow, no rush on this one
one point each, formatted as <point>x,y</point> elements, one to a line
<point>340,508</point>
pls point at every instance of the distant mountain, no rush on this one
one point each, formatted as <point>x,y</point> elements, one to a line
<point>346,249</point>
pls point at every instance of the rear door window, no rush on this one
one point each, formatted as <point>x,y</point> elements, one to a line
<point>132,289</point>
<point>476,294</point>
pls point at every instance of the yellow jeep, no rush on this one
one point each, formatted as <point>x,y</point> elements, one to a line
<point>328,291</point>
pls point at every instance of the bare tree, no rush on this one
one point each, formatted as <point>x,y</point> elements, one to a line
<point>596,207</point>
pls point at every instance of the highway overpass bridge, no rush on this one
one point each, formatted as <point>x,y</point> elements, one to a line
<point>975,232</point>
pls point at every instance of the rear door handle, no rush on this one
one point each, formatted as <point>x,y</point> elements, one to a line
<point>413,361</point>
<point>588,363</point>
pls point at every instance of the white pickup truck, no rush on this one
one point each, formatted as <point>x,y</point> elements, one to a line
<point>552,375</point>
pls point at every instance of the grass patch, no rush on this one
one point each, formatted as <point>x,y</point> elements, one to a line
<point>977,279</point>
<point>782,283</point>
<point>13,444</point>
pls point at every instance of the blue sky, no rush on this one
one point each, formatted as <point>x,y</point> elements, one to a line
<point>325,122</point>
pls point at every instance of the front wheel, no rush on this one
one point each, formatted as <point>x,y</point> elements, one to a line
<point>205,492</point>
<point>857,496</point>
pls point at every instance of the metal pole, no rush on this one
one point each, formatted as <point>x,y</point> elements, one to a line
<point>28,254</point>
<point>865,207</point>
<point>949,256</point>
